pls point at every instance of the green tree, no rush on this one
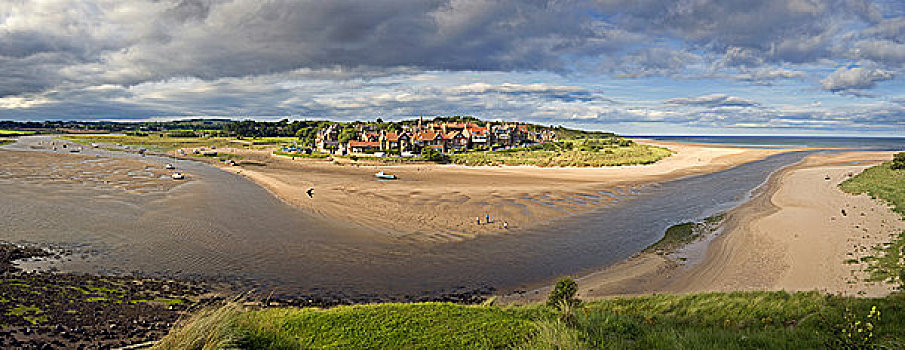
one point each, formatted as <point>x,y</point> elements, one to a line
<point>563,293</point>
<point>432,154</point>
<point>898,161</point>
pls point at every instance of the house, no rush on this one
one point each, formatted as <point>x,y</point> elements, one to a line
<point>327,139</point>
<point>479,136</point>
<point>430,139</point>
<point>396,141</point>
<point>455,140</point>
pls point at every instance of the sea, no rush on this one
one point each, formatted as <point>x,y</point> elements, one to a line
<point>827,142</point>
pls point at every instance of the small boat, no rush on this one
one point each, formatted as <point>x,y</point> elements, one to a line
<point>383,175</point>
<point>170,166</point>
<point>178,176</point>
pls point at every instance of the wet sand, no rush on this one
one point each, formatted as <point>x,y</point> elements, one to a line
<point>440,203</point>
<point>220,226</point>
<point>791,237</point>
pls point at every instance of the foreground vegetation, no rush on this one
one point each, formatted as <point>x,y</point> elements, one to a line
<point>744,320</point>
<point>886,182</point>
<point>611,151</point>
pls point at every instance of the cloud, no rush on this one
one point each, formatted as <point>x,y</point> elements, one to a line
<point>534,60</point>
<point>767,75</point>
<point>715,100</point>
<point>885,52</point>
<point>846,78</point>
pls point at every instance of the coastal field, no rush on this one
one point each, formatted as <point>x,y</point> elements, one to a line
<point>168,143</point>
<point>742,320</point>
<point>15,132</point>
<point>573,153</point>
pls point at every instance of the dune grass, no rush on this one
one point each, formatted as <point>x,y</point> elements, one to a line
<point>576,153</point>
<point>880,182</point>
<point>742,320</point>
<point>888,184</point>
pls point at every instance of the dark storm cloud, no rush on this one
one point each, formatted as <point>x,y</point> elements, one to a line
<point>302,57</point>
<point>135,41</point>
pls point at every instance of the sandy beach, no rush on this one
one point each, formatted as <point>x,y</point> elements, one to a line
<point>799,239</point>
<point>793,237</point>
<point>441,203</point>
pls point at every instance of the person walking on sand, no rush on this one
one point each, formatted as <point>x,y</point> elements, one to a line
<point>505,225</point>
<point>477,220</point>
<point>487,218</point>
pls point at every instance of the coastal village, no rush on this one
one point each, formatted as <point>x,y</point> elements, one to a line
<point>443,136</point>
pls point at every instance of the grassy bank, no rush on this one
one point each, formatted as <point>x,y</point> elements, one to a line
<point>888,184</point>
<point>577,153</point>
<point>764,320</point>
<point>166,143</point>
<point>679,235</point>
<point>16,132</point>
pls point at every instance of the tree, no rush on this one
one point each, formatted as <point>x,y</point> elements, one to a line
<point>898,161</point>
<point>564,293</point>
<point>348,133</point>
<point>432,154</point>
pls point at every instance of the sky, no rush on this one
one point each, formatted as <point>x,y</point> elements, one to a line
<point>638,67</point>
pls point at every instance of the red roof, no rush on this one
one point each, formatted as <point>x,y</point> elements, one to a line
<point>426,136</point>
<point>477,131</point>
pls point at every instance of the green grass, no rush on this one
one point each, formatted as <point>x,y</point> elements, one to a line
<point>887,184</point>
<point>880,182</point>
<point>159,143</point>
<point>577,153</point>
<point>16,132</point>
<point>6,141</point>
<point>679,235</point>
<point>741,320</point>
<point>302,155</point>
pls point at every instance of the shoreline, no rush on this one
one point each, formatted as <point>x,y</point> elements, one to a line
<point>762,244</point>
<point>440,203</point>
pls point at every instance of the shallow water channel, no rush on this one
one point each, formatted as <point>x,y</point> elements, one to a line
<point>224,226</point>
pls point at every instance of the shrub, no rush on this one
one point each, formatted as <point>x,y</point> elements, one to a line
<point>563,293</point>
<point>431,154</point>
<point>898,161</point>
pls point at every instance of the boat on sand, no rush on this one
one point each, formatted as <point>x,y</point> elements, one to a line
<point>385,176</point>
